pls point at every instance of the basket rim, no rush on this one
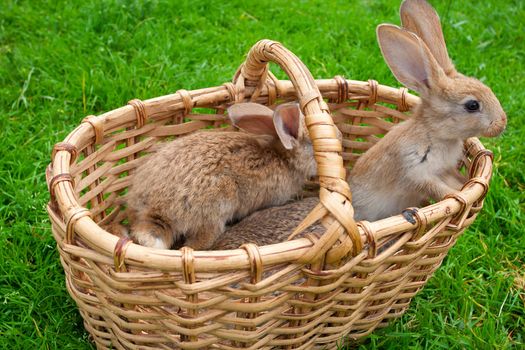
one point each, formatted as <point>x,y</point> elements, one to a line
<point>104,243</point>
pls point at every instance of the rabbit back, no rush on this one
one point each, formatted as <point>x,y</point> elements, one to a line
<point>269,226</point>
<point>200,182</point>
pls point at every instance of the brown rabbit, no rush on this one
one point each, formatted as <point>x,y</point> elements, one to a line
<point>193,186</point>
<point>269,226</point>
<point>418,159</point>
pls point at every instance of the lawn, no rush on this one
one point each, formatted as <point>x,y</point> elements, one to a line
<point>60,61</point>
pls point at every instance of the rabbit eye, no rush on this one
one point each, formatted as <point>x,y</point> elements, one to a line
<point>472,106</point>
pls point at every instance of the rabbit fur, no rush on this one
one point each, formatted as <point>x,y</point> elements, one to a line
<point>269,226</point>
<point>193,186</point>
<point>418,159</point>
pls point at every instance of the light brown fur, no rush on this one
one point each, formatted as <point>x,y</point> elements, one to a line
<point>417,160</point>
<point>193,186</point>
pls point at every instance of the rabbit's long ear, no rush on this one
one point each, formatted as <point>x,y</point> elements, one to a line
<point>253,118</point>
<point>408,58</point>
<point>419,17</point>
<point>287,120</point>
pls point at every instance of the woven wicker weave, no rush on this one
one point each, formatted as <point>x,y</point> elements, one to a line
<point>305,293</point>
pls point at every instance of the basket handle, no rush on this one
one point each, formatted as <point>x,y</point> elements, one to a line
<point>334,191</point>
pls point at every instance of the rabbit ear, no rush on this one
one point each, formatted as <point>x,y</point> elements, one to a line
<point>408,58</point>
<point>419,17</point>
<point>253,118</point>
<point>287,118</point>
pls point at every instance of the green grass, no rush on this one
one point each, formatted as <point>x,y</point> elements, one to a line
<point>60,61</point>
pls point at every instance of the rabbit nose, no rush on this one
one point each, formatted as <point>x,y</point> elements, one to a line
<point>504,118</point>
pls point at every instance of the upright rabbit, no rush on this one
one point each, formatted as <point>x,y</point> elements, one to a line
<point>418,159</point>
<point>195,184</point>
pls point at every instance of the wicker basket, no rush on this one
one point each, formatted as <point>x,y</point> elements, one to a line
<point>304,293</point>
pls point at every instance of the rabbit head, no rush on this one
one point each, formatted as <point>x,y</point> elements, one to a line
<point>453,106</point>
<point>285,124</point>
